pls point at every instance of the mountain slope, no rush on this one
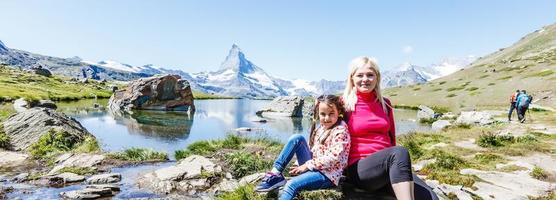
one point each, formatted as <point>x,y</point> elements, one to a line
<point>528,64</point>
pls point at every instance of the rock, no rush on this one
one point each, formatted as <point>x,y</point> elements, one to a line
<point>91,192</point>
<point>68,177</point>
<point>419,165</point>
<point>449,116</point>
<point>77,160</point>
<point>425,113</point>
<point>440,124</point>
<point>40,70</point>
<point>437,145</point>
<point>192,174</point>
<point>20,105</point>
<point>443,190</point>
<point>20,178</point>
<point>154,93</point>
<point>226,186</point>
<point>104,178</point>
<point>469,144</point>
<point>253,178</point>
<point>12,159</point>
<point>308,107</point>
<point>46,104</point>
<point>473,117</point>
<point>85,80</point>
<point>25,128</point>
<point>500,185</point>
<point>284,106</point>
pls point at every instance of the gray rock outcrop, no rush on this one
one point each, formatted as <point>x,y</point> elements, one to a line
<point>156,93</point>
<point>12,159</point>
<point>474,117</point>
<point>40,70</point>
<point>76,160</point>
<point>189,175</point>
<point>21,105</point>
<point>91,192</point>
<point>284,106</point>
<point>66,177</point>
<point>440,124</point>
<point>425,113</point>
<point>104,178</point>
<point>25,128</point>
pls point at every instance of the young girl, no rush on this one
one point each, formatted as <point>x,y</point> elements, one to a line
<point>322,161</point>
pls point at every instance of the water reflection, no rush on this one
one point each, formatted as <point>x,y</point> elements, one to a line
<point>164,125</point>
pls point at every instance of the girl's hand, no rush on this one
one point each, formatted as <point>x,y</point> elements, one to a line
<point>299,169</point>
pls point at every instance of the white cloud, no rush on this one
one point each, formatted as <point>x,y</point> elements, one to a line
<point>407,49</point>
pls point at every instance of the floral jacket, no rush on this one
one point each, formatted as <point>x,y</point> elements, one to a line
<point>330,152</point>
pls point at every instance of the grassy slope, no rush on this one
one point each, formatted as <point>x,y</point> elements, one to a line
<point>529,64</point>
<point>16,84</point>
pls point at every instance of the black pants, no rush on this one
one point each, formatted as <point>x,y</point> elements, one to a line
<point>512,108</point>
<point>521,113</point>
<point>377,173</point>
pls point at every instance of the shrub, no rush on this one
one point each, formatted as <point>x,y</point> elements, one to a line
<point>4,138</point>
<point>538,173</point>
<point>139,154</point>
<point>487,158</point>
<point>489,140</point>
<point>472,88</point>
<point>441,83</point>
<point>51,143</point>
<point>89,145</point>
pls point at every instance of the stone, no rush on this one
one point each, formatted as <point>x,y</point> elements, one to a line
<point>76,160</point>
<point>46,104</point>
<point>40,70</point>
<point>226,186</point>
<point>500,185</point>
<point>21,105</point>
<point>474,117</point>
<point>443,190</point>
<point>283,106</point>
<point>104,178</point>
<point>189,175</point>
<point>94,192</point>
<point>419,165</point>
<point>440,124</point>
<point>25,128</point>
<point>250,179</point>
<point>155,93</point>
<point>68,177</point>
<point>425,113</point>
<point>12,159</point>
<point>469,144</point>
<point>20,178</point>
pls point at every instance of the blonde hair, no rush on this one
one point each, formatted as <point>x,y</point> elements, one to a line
<point>350,92</point>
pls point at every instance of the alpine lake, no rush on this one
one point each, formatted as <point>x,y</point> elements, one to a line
<point>171,131</point>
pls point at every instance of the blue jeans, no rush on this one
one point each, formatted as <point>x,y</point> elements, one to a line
<point>309,180</point>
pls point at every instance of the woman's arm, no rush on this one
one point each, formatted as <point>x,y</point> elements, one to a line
<point>392,123</point>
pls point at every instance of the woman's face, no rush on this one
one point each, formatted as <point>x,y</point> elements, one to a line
<point>364,79</point>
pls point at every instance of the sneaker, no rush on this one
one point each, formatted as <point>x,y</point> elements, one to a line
<point>270,182</point>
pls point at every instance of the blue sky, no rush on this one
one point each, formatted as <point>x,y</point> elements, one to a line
<point>289,39</point>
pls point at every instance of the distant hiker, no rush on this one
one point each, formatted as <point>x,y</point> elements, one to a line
<point>522,104</point>
<point>321,160</point>
<point>376,164</point>
<point>513,99</point>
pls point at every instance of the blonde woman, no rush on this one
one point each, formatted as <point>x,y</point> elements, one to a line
<point>375,163</point>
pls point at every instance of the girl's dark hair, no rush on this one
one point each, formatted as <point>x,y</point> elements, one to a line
<point>330,100</point>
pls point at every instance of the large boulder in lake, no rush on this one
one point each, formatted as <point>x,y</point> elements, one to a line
<point>425,113</point>
<point>25,128</point>
<point>285,106</point>
<point>167,92</point>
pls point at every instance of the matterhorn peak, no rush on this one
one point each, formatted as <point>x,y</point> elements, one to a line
<point>236,61</point>
<point>3,47</point>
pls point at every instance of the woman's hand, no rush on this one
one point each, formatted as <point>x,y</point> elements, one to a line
<point>299,169</point>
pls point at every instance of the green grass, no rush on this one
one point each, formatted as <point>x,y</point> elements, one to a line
<point>446,169</point>
<point>451,95</point>
<point>86,171</point>
<point>245,163</point>
<point>89,145</point>
<point>52,143</point>
<point>246,192</point>
<point>505,78</point>
<point>491,84</point>
<point>541,74</point>
<point>416,143</point>
<point>16,84</point>
<point>139,154</point>
<point>472,89</point>
<point>428,121</point>
<point>442,83</point>
<point>483,76</point>
<point>406,107</point>
<point>234,142</point>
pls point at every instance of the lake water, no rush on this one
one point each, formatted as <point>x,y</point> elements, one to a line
<point>170,131</point>
<point>213,119</point>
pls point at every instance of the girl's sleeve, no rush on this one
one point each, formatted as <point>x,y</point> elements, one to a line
<point>337,152</point>
<point>392,130</point>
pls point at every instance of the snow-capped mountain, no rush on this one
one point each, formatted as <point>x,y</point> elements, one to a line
<point>408,74</point>
<point>239,77</point>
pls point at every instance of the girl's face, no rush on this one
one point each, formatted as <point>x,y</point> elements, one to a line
<point>328,115</point>
<point>364,79</point>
